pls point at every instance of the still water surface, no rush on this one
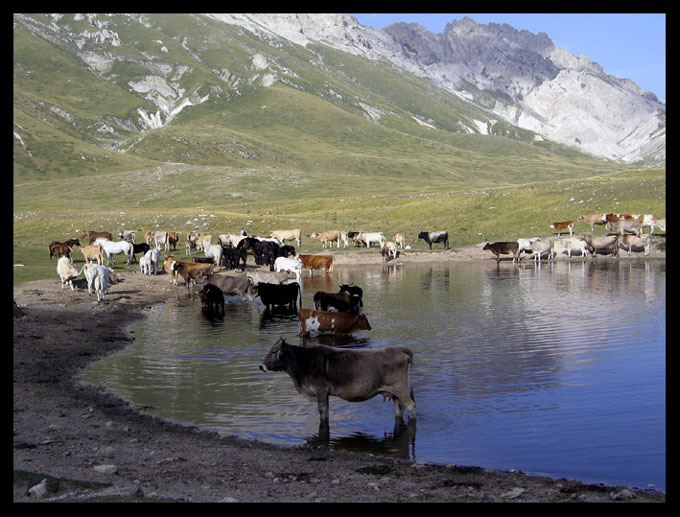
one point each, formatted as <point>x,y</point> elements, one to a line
<point>557,369</point>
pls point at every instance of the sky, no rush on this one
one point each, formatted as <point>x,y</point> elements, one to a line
<point>625,45</point>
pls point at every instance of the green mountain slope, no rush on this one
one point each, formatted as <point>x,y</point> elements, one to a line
<point>79,89</point>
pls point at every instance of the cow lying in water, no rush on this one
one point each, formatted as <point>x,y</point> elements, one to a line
<point>353,375</point>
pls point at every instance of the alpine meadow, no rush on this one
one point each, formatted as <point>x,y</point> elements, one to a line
<point>183,122</point>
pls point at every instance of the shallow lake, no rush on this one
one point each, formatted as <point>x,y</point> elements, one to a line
<point>557,369</point>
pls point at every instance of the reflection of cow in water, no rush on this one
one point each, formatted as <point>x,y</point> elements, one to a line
<point>353,375</point>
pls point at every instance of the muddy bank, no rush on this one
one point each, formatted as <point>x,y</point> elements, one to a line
<point>70,431</point>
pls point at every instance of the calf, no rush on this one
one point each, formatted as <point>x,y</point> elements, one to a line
<point>435,237</point>
<point>339,323</point>
<point>503,248</point>
<point>399,239</point>
<point>212,298</point>
<point>279,294</point>
<point>563,226</point>
<point>351,374</point>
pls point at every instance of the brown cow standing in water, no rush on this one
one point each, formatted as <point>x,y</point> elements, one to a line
<point>353,375</point>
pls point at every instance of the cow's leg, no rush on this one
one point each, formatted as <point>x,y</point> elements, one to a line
<point>398,406</point>
<point>322,403</point>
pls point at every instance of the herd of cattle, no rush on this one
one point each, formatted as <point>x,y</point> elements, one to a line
<point>318,371</point>
<point>354,375</point>
<point>627,234</point>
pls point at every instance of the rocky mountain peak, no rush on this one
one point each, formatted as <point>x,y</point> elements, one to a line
<point>521,77</point>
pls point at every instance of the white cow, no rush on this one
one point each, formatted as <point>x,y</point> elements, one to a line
<point>288,235</point>
<point>524,245</point>
<point>540,246</point>
<point>127,235</point>
<point>293,265</point>
<point>161,240</point>
<point>570,245</point>
<point>92,271</point>
<point>214,251</point>
<point>114,248</point>
<point>389,248</point>
<point>67,273</point>
<point>145,263</point>
<point>101,285</point>
<point>369,237</point>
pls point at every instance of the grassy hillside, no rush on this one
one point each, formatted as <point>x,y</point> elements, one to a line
<point>159,203</point>
<point>334,141</point>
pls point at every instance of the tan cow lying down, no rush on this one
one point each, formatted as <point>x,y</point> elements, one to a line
<point>351,374</point>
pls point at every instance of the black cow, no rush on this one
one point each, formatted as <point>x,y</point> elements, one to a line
<point>285,251</point>
<point>265,253</point>
<point>498,248</point>
<point>233,258</point>
<point>351,374</point>
<point>342,301</point>
<point>142,248</point>
<point>203,260</point>
<point>212,298</point>
<point>279,294</point>
<point>435,237</point>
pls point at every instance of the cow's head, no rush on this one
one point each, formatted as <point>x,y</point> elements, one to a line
<point>362,323</point>
<point>275,360</point>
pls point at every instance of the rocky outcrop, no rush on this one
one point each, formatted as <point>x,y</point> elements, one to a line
<point>521,77</point>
